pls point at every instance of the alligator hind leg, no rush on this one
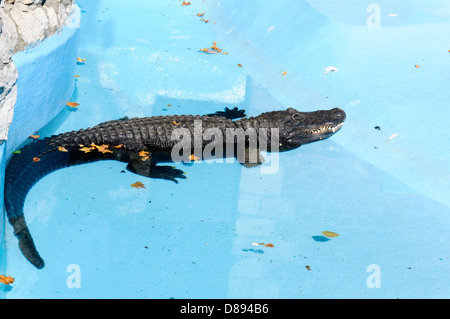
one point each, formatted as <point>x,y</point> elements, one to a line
<point>148,168</point>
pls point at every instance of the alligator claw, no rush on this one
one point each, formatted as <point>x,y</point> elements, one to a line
<point>167,172</point>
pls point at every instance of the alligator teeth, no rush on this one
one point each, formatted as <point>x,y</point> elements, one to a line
<point>327,128</point>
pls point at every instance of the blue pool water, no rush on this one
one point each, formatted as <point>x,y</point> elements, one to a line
<point>199,238</point>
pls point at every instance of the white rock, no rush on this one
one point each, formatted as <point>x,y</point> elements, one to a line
<point>32,26</point>
<point>7,112</point>
<point>53,22</point>
<point>8,37</point>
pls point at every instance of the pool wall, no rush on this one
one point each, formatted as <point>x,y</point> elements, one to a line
<point>45,84</point>
<point>323,54</point>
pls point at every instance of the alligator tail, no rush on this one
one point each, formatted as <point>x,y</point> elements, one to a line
<point>35,161</point>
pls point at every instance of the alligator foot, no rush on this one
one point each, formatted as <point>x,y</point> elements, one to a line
<point>235,113</point>
<point>167,172</point>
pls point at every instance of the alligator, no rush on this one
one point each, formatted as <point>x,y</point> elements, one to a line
<point>142,143</point>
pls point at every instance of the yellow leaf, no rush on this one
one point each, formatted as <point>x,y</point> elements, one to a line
<point>81,60</point>
<point>86,149</point>
<point>138,185</point>
<point>34,136</point>
<point>72,104</point>
<point>102,148</point>
<point>330,234</point>
<point>6,279</point>
<point>62,149</point>
<point>284,73</point>
<point>144,155</point>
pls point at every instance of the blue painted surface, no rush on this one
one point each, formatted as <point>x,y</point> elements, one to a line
<point>200,238</point>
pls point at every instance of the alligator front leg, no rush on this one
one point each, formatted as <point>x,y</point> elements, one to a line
<point>144,166</point>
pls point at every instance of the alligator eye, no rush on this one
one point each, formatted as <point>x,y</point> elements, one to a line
<point>297,117</point>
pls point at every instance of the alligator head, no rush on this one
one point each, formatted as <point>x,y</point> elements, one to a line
<point>298,128</point>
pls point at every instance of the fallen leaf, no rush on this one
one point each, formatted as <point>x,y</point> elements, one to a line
<point>118,146</point>
<point>87,149</point>
<point>206,21</point>
<point>72,104</point>
<point>6,279</point>
<point>138,185</point>
<point>330,234</point>
<point>213,49</point>
<point>81,60</point>
<point>101,148</point>
<point>62,149</point>
<point>200,14</point>
<point>17,152</point>
<point>194,158</point>
<point>144,155</point>
<point>77,76</point>
<point>34,136</point>
<point>268,245</point>
<point>307,267</point>
<point>36,159</point>
<point>185,3</point>
<point>416,66</point>
<point>284,73</point>
<point>175,123</point>
<point>240,65</point>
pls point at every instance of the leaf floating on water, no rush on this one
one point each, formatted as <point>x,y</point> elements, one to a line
<point>185,3</point>
<point>36,159</point>
<point>72,104</point>
<point>200,14</point>
<point>34,136</point>
<point>330,234</point>
<point>62,149</point>
<point>138,185</point>
<point>213,49</point>
<point>268,245</point>
<point>118,146</point>
<point>81,60</point>
<point>284,73</point>
<point>6,279</point>
<point>308,267</point>
<point>17,152</point>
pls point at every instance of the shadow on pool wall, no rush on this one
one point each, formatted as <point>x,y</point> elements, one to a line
<point>385,67</point>
<point>44,86</point>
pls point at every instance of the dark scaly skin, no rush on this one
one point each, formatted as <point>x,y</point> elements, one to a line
<point>126,138</point>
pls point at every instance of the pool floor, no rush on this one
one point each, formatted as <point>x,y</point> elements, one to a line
<point>208,236</point>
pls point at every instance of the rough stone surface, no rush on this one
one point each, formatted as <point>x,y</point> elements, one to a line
<point>24,24</point>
